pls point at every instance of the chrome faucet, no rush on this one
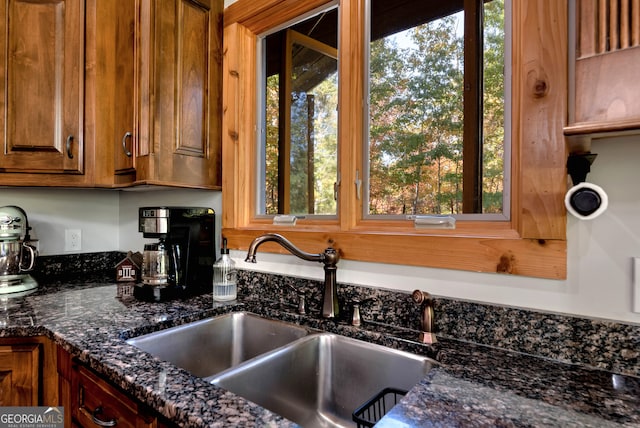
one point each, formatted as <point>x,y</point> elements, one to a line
<point>330,257</point>
<point>426,316</point>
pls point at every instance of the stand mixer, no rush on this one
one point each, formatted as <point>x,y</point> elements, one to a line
<point>17,252</point>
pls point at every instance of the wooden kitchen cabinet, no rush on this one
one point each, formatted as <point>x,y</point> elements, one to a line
<point>42,92</point>
<point>27,372</point>
<point>180,87</point>
<point>111,105</point>
<point>604,88</point>
<point>90,400</point>
<point>153,91</point>
<point>111,93</point>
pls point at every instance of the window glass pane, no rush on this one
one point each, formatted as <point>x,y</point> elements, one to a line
<point>417,107</point>
<point>314,106</point>
<point>299,152</point>
<point>493,117</point>
<point>271,142</point>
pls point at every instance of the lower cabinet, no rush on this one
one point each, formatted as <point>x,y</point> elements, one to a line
<point>91,401</point>
<point>27,372</point>
<point>34,371</point>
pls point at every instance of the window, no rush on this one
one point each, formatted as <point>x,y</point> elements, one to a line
<point>436,108</point>
<point>298,136</point>
<point>529,241</point>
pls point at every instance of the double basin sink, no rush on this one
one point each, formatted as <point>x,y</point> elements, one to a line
<point>312,378</point>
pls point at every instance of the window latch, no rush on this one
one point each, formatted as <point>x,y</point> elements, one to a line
<point>433,221</point>
<point>284,220</point>
<point>358,185</point>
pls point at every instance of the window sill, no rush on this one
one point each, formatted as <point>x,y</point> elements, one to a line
<point>497,253</point>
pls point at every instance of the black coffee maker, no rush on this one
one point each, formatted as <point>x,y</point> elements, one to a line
<point>180,263</point>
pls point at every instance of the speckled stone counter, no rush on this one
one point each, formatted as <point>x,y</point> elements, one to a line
<point>474,385</point>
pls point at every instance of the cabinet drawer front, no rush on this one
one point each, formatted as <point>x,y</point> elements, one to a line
<point>97,399</point>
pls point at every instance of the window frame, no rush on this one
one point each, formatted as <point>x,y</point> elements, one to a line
<point>531,243</point>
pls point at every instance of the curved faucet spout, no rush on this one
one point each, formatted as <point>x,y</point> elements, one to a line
<point>330,257</point>
<point>284,242</point>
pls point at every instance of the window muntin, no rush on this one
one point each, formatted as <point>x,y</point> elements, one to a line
<point>422,126</point>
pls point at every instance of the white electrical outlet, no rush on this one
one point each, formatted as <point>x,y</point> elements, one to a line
<point>636,285</point>
<point>72,240</point>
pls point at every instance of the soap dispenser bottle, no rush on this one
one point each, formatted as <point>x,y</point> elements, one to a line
<point>224,276</point>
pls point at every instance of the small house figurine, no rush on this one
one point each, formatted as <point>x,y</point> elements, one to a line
<point>128,270</point>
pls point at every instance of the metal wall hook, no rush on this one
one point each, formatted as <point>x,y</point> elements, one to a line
<point>579,165</point>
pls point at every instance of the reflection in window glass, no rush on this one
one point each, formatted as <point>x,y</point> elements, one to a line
<point>417,108</point>
<point>301,125</point>
<point>314,107</point>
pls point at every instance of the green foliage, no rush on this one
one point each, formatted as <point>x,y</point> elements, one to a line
<point>314,148</point>
<point>271,141</point>
<point>416,118</point>
<point>415,125</point>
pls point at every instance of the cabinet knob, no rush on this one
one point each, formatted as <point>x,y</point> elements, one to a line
<point>124,144</point>
<point>68,146</point>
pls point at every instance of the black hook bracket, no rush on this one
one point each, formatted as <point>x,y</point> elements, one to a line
<point>579,165</point>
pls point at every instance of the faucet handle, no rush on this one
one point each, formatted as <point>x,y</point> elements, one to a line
<point>302,310</point>
<point>356,319</point>
<point>302,304</point>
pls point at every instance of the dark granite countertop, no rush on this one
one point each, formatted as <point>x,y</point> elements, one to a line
<point>472,386</point>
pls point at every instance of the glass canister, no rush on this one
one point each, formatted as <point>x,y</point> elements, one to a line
<point>224,276</point>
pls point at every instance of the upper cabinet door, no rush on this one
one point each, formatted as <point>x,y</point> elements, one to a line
<point>604,86</point>
<point>124,109</point>
<point>110,81</point>
<point>41,99</point>
<point>180,76</point>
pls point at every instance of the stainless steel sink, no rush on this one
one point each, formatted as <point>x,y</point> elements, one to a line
<point>319,380</point>
<point>210,346</point>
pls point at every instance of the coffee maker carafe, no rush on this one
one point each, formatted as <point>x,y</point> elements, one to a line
<point>156,264</point>
<point>17,251</point>
<point>179,263</point>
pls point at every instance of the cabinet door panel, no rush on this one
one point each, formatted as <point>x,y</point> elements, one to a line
<point>605,59</point>
<point>192,83</point>
<point>42,75</point>
<point>19,375</point>
<point>180,133</point>
<point>124,108</point>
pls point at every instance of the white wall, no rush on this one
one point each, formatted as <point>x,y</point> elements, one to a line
<point>599,251</point>
<point>108,219</point>
<point>51,211</point>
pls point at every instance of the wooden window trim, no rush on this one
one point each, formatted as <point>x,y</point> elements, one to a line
<point>532,243</point>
